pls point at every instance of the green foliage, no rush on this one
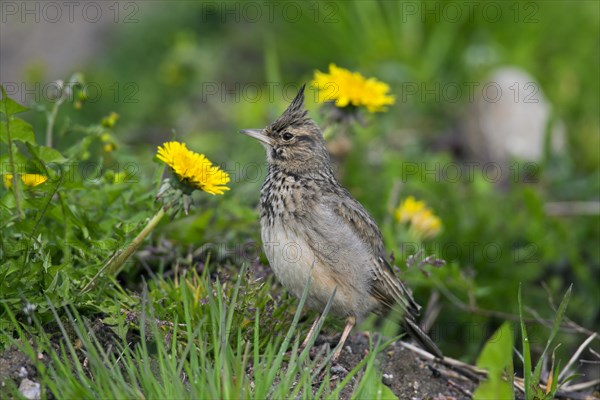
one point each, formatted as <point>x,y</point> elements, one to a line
<point>57,235</point>
<point>532,378</point>
<point>496,358</point>
<point>203,354</point>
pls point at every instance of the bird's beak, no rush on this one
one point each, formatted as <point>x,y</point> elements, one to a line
<point>258,134</point>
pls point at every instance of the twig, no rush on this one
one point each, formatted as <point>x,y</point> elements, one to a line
<point>476,374</point>
<point>519,384</point>
<point>448,373</point>
<point>549,295</point>
<point>460,388</point>
<point>576,356</point>
<point>568,321</point>
<point>433,310</point>
<point>568,208</point>
<point>393,201</point>
<point>570,326</point>
<point>473,373</point>
<point>581,386</point>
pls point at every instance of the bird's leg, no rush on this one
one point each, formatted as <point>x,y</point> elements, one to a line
<point>350,322</point>
<point>311,332</point>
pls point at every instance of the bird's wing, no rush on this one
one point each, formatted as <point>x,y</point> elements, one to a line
<point>386,287</point>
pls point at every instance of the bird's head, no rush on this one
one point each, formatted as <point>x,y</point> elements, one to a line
<point>293,142</point>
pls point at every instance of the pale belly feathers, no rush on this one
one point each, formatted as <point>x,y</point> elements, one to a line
<point>339,254</point>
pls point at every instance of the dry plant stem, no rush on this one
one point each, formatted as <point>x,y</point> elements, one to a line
<point>568,321</point>
<point>115,266</point>
<point>581,386</point>
<point>565,327</point>
<point>469,371</point>
<point>572,208</point>
<point>394,197</point>
<point>475,373</point>
<point>432,311</point>
<point>460,388</point>
<point>575,357</point>
<point>51,118</point>
<point>15,176</point>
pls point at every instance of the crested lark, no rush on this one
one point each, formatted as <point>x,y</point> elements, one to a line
<point>313,227</point>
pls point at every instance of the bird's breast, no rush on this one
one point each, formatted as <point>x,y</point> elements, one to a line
<point>305,242</point>
<point>287,196</point>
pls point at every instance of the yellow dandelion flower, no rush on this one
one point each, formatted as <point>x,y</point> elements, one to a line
<point>408,209</point>
<point>351,88</point>
<point>426,224</point>
<point>422,220</point>
<point>30,180</point>
<point>193,169</point>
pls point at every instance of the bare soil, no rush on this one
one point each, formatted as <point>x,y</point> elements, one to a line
<point>404,372</point>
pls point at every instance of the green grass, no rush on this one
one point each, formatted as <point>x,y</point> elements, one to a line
<point>532,377</point>
<point>205,354</point>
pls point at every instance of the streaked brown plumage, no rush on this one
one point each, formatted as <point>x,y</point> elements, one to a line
<point>312,227</point>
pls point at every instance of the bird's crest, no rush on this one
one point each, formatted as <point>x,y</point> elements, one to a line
<point>294,115</point>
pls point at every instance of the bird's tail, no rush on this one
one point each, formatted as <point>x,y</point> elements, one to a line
<point>415,331</point>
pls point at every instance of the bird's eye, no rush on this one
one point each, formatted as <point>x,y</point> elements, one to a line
<point>287,136</point>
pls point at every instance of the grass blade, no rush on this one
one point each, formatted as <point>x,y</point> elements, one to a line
<point>560,313</point>
<point>526,352</point>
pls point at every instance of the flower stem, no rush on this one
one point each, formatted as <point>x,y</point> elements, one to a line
<point>16,184</point>
<point>51,118</point>
<point>114,265</point>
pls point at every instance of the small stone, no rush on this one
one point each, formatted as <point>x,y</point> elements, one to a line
<point>338,369</point>
<point>40,356</point>
<point>348,349</point>
<point>30,389</point>
<point>23,372</point>
<point>387,379</point>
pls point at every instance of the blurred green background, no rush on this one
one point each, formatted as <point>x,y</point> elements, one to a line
<point>203,70</point>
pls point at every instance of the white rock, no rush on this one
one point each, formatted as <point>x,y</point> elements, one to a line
<point>23,372</point>
<point>30,389</point>
<point>509,118</point>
